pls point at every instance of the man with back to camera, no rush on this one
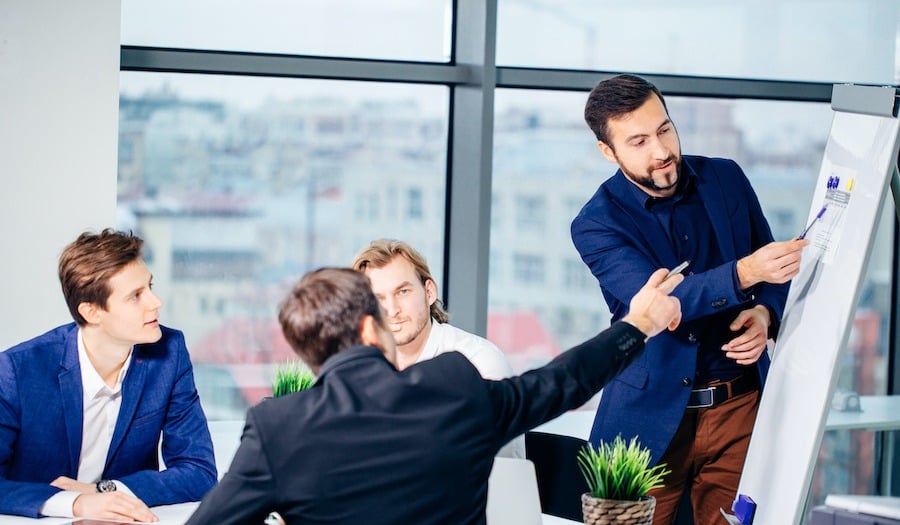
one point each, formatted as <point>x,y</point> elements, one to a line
<point>693,394</point>
<point>402,282</point>
<point>82,407</point>
<point>371,444</point>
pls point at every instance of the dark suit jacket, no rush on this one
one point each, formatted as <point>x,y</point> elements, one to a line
<point>41,423</point>
<point>623,244</point>
<point>368,444</point>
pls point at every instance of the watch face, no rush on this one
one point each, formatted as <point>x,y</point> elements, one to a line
<point>106,485</point>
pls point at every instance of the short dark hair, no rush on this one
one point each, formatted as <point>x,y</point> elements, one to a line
<point>87,264</point>
<point>614,97</point>
<point>323,313</point>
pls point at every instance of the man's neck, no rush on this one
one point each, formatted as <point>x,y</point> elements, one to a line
<point>106,356</point>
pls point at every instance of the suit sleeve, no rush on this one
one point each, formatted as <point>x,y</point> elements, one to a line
<point>622,266</point>
<point>245,493</point>
<point>570,380</point>
<point>186,446</point>
<point>610,242</point>
<point>16,497</point>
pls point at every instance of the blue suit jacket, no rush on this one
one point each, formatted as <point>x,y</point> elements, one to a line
<point>41,423</point>
<point>622,244</point>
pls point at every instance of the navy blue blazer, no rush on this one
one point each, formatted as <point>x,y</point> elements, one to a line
<point>41,423</point>
<point>622,248</point>
<point>368,444</point>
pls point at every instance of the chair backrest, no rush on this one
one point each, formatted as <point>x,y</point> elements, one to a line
<point>560,483</point>
<point>513,493</point>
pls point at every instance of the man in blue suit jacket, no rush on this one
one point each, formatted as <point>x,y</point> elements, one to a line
<point>692,396</point>
<point>83,407</point>
<point>371,444</point>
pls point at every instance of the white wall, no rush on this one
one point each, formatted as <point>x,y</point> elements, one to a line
<point>59,83</point>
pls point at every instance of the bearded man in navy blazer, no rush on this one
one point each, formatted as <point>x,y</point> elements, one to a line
<point>83,407</point>
<point>371,444</point>
<point>692,395</point>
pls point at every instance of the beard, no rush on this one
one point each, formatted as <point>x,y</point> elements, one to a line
<point>647,181</point>
<point>414,326</point>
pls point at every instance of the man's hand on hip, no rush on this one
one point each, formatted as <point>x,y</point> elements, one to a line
<point>747,348</point>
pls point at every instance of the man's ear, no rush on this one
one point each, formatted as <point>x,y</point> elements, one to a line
<point>368,332</point>
<point>90,312</point>
<point>430,291</point>
<point>607,151</point>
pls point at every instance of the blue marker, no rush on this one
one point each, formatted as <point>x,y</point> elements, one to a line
<point>818,216</point>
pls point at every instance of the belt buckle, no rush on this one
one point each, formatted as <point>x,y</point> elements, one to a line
<point>706,400</point>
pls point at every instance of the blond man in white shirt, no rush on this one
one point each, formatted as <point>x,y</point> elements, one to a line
<point>402,282</point>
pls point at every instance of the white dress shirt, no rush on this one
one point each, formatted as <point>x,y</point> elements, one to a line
<point>100,405</point>
<point>483,354</point>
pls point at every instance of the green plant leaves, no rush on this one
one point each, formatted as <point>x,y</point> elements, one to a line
<point>292,377</point>
<point>618,471</point>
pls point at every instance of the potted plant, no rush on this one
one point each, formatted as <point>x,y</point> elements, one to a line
<point>292,377</point>
<point>619,477</point>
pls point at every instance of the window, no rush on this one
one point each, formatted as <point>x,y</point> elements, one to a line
<point>824,40</point>
<point>391,29</point>
<point>530,213</point>
<point>577,276</point>
<point>528,269</point>
<point>239,185</point>
<point>414,204</point>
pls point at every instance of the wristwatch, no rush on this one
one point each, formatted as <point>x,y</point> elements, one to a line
<point>106,485</point>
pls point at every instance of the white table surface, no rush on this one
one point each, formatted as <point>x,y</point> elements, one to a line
<point>167,514</point>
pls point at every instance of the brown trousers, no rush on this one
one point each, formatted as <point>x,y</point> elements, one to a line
<point>707,454</point>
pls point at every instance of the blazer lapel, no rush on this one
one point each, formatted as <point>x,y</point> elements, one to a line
<point>72,399</point>
<point>643,223</point>
<point>132,387</point>
<point>714,201</point>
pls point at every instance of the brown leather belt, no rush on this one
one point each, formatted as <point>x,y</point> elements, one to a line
<point>718,393</point>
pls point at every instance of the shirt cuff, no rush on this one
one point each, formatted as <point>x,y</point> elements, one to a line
<point>121,487</point>
<point>742,295</point>
<point>60,505</point>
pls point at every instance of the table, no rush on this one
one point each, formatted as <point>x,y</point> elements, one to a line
<point>167,514</point>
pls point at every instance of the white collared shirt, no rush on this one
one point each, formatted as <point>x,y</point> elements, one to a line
<point>487,358</point>
<point>100,410</point>
<point>484,356</point>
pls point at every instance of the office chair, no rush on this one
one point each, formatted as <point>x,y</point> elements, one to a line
<point>560,483</point>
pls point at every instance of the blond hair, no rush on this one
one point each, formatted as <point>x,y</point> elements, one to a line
<point>380,252</point>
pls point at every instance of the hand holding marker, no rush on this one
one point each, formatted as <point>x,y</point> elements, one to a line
<point>817,217</point>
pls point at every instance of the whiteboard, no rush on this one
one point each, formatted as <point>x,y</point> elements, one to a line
<point>856,169</point>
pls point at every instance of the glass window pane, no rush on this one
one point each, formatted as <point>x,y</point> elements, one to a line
<point>240,184</point>
<point>416,30</point>
<point>804,40</point>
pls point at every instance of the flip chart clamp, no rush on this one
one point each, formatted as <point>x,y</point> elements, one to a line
<point>744,509</point>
